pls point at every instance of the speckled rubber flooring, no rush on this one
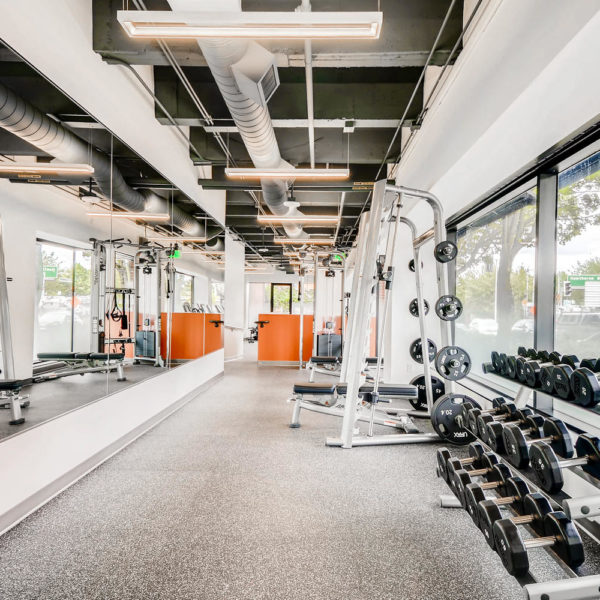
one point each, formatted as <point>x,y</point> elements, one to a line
<point>223,501</point>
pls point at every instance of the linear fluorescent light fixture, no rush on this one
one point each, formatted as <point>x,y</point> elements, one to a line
<point>290,173</point>
<point>33,169</point>
<point>306,219</point>
<point>132,215</point>
<point>253,25</point>
<point>300,241</point>
<point>174,240</point>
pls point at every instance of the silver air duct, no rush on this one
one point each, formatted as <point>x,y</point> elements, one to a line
<point>251,117</point>
<point>25,121</point>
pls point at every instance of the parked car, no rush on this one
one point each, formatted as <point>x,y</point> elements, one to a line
<point>484,326</point>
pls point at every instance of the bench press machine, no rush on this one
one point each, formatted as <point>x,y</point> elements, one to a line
<point>329,399</point>
<point>80,363</point>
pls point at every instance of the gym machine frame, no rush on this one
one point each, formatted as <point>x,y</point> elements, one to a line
<point>358,325</point>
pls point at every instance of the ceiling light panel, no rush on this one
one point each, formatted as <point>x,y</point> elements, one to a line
<point>289,173</point>
<point>252,25</point>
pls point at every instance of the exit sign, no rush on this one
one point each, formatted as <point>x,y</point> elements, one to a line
<point>50,272</point>
<point>579,281</point>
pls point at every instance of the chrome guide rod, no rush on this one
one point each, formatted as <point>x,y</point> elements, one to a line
<point>392,235</point>
<point>360,327</point>
<point>301,298</point>
<point>421,305</point>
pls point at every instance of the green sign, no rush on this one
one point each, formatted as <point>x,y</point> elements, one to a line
<point>50,272</point>
<point>579,281</point>
<point>175,254</point>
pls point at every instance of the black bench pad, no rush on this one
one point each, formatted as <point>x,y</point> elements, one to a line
<point>372,360</point>
<point>385,389</point>
<point>325,359</point>
<point>104,356</point>
<point>314,388</point>
<point>57,356</point>
<point>14,385</point>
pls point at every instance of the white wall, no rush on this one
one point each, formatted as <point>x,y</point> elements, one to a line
<point>56,38</point>
<point>28,212</point>
<point>235,302</point>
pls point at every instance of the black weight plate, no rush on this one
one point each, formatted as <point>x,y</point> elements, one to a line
<point>521,368</point>
<point>453,363</point>
<point>503,363</point>
<point>544,462</point>
<point>512,366</point>
<point>568,546</point>
<point>547,379</point>
<point>515,446</point>
<point>531,372</point>
<point>585,387</point>
<point>411,265</point>
<point>510,547</point>
<point>413,307</point>
<point>443,419</point>
<point>416,352</point>
<point>588,445</point>
<point>562,380</point>
<point>445,251</point>
<point>496,362</point>
<point>437,387</point>
<point>448,308</point>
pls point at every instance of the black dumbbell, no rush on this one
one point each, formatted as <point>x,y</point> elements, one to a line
<point>585,384</point>
<point>521,361</point>
<point>495,476</point>
<point>554,432</point>
<point>490,430</point>
<point>532,369</point>
<point>531,510</point>
<point>476,451</point>
<point>512,493</point>
<point>548,467</point>
<point>470,413</point>
<point>511,361</point>
<point>560,534</point>
<point>484,464</point>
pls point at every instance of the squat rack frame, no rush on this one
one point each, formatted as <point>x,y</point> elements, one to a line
<point>358,324</point>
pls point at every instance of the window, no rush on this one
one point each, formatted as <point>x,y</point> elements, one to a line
<point>309,294</point>
<point>64,299</point>
<point>577,301</point>
<point>217,293</point>
<point>184,292</point>
<point>281,298</point>
<point>495,277</point>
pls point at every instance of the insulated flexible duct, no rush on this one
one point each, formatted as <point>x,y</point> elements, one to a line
<point>25,121</point>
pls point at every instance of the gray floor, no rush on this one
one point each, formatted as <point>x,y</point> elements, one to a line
<point>56,397</point>
<point>224,501</point>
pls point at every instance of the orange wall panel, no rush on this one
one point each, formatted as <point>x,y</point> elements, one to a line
<point>279,340</point>
<point>187,339</point>
<point>214,335</point>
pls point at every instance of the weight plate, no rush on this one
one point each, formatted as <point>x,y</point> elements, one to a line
<point>453,363</point>
<point>413,307</point>
<point>496,362</point>
<point>437,387</point>
<point>448,308</point>
<point>562,381</point>
<point>444,422</point>
<point>445,251</point>
<point>416,350</point>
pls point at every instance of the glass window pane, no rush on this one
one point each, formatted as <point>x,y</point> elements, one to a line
<point>577,312</point>
<point>183,292</point>
<point>281,293</point>
<point>82,301</point>
<point>495,277</point>
<point>55,287</point>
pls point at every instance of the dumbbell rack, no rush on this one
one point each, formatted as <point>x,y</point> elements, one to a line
<point>581,584</point>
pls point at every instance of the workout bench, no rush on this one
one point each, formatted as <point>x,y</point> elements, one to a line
<point>327,399</point>
<point>79,363</point>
